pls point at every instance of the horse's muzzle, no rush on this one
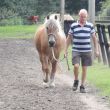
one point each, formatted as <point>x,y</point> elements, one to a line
<point>51,41</point>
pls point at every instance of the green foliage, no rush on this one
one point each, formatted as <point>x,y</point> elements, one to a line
<point>98,5</point>
<point>7,8</point>
<point>25,8</point>
<point>105,10</point>
<point>48,6</point>
<point>11,21</point>
<point>73,6</point>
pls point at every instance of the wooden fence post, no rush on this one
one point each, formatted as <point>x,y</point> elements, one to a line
<point>101,41</point>
<point>106,44</point>
<point>109,31</point>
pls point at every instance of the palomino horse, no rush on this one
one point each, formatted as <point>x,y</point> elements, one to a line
<point>50,40</point>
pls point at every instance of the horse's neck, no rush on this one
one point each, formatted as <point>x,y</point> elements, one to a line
<point>61,32</point>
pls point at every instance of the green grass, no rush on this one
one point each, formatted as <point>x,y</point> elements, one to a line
<point>99,75</point>
<point>20,31</point>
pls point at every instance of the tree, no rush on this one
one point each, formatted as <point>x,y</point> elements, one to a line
<point>73,6</point>
<point>26,8</point>
<point>7,9</point>
<point>98,4</point>
<point>105,10</point>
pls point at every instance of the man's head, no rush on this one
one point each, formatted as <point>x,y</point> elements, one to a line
<point>83,15</point>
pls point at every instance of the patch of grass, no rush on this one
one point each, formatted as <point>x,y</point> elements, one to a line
<point>99,75</point>
<point>19,31</point>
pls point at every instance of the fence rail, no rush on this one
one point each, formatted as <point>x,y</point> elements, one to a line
<point>99,18</point>
<point>105,22</point>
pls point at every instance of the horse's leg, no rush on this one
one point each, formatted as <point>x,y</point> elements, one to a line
<point>45,73</point>
<point>52,75</point>
<point>45,68</point>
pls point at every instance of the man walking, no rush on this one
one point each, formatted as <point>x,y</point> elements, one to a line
<point>80,35</point>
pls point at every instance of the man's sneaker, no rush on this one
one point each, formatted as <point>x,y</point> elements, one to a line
<point>75,85</point>
<point>82,89</point>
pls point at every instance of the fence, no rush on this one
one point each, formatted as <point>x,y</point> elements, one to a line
<point>104,38</point>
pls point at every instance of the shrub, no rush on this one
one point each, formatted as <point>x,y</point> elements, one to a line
<point>11,21</point>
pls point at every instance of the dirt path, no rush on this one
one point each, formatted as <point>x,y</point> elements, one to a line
<point>21,83</point>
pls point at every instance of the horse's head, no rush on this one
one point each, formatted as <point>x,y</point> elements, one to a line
<point>52,30</point>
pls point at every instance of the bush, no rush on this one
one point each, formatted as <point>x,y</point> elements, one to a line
<point>11,21</point>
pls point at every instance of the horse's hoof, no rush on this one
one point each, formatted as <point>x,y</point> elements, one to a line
<point>52,85</point>
<point>46,85</point>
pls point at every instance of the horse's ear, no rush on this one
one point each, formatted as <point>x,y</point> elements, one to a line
<point>48,17</point>
<point>56,17</point>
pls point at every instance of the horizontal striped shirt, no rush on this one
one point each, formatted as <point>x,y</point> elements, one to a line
<point>81,36</point>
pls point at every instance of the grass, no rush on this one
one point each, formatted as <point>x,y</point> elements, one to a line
<point>20,31</point>
<point>99,75</point>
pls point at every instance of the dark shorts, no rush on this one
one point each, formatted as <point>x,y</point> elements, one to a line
<point>84,57</point>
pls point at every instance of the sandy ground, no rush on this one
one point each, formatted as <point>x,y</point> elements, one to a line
<point>21,83</point>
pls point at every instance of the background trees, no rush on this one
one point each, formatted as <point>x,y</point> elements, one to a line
<point>106,8</point>
<point>16,11</point>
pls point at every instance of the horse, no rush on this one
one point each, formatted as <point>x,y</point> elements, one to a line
<point>33,19</point>
<point>50,41</point>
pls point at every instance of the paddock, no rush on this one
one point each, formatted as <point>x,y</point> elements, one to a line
<point>21,82</point>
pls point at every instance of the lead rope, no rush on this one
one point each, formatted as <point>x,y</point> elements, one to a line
<point>67,62</point>
<point>61,60</point>
<point>54,55</point>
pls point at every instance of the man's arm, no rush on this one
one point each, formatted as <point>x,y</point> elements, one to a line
<point>95,41</point>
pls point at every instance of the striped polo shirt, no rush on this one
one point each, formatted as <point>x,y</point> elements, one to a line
<point>81,36</point>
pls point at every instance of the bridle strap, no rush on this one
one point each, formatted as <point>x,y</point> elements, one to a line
<point>51,34</point>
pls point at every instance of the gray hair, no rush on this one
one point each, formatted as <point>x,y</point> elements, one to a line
<point>83,11</point>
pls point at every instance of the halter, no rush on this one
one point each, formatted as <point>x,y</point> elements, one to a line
<point>52,35</point>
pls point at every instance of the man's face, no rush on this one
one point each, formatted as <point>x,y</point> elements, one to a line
<point>82,17</point>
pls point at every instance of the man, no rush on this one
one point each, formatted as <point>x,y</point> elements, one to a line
<point>80,35</point>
